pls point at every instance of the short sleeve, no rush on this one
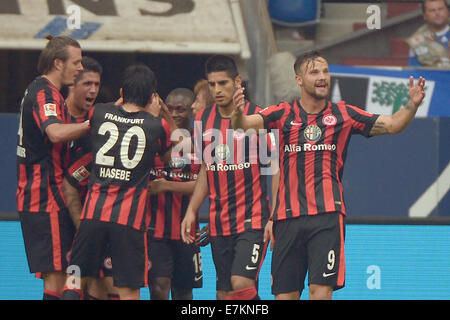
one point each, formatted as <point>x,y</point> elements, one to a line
<point>78,171</point>
<point>48,108</point>
<point>272,116</point>
<point>363,121</point>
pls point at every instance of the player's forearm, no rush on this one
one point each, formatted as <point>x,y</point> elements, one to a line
<point>186,188</point>
<point>275,186</point>
<point>73,202</point>
<point>245,122</point>
<point>63,132</point>
<point>396,123</point>
<point>403,117</point>
<point>237,120</point>
<point>200,191</point>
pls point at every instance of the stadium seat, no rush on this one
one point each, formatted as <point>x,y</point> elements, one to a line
<point>294,13</point>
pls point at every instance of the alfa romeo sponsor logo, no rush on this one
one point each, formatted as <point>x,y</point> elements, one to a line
<point>222,152</point>
<point>312,133</point>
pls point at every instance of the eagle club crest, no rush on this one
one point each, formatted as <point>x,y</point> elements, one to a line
<point>329,120</point>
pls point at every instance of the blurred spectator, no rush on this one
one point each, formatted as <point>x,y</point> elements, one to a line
<point>203,97</point>
<point>429,44</point>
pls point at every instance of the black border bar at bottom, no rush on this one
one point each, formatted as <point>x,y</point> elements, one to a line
<point>375,220</point>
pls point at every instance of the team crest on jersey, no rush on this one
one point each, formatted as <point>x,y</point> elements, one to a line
<point>329,120</point>
<point>81,173</point>
<point>222,152</point>
<point>50,109</point>
<point>312,133</point>
<point>68,255</point>
<point>107,263</point>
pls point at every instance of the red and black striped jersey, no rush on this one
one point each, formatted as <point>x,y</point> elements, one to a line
<point>124,147</point>
<point>79,160</point>
<point>40,163</point>
<point>167,209</point>
<point>237,189</point>
<point>313,150</point>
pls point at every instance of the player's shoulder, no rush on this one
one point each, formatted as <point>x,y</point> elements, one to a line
<point>103,108</point>
<point>342,105</point>
<point>107,105</point>
<point>344,108</point>
<point>204,113</point>
<point>282,106</point>
<point>42,87</point>
<point>251,108</point>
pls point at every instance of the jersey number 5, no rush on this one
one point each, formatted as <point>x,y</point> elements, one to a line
<point>102,159</point>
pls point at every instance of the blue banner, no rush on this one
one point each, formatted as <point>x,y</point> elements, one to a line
<point>385,90</point>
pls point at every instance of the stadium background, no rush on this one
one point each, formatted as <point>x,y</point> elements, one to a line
<point>396,187</point>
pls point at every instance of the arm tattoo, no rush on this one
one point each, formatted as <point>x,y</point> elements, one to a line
<point>379,128</point>
<point>409,107</point>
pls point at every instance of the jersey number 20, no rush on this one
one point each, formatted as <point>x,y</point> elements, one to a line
<point>102,159</point>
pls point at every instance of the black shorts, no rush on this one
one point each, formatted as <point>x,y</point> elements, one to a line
<point>105,269</point>
<point>48,238</point>
<point>128,249</point>
<point>240,254</point>
<point>175,260</point>
<point>308,243</point>
<point>106,264</point>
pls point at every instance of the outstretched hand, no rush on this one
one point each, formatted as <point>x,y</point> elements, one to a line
<point>239,99</point>
<point>416,91</point>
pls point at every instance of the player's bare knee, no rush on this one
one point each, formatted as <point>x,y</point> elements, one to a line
<point>320,292</point>
<point>54,281</point>
<point>181,294</point>
<point>160,289</point>
<point>239,282</point>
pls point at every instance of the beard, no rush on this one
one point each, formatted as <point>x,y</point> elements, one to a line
<point>67,78</point>
<point>318,95</point>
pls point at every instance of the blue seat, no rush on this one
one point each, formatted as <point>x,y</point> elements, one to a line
<point>294,13</point>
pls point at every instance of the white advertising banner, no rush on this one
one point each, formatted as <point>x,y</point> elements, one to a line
<point>172,26</point>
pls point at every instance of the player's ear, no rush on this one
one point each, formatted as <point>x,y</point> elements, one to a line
<point>58,64</point>
<point>299,80</point>
<point>121,93</point>
<point>238,81</point>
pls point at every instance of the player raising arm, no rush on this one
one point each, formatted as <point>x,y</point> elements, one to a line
<point>308,219</point>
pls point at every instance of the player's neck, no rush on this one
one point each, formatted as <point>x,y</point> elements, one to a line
<point>226,111</point>
<point>54,79</point>
<point>312,105</point>
<point>73,110</point>
<point>131,107</point>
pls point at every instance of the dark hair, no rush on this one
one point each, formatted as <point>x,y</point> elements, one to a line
<point>139,83</point>
<point>219,63</point>
<point>425,1</point>
<point>305,57</point>
<point>56,48</point>
<point>89,65</point>
<point>186,93</point>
